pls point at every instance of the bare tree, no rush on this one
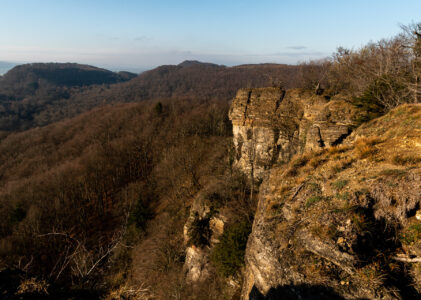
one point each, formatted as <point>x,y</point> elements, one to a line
<point>80,259</point>
<point>411,37</point>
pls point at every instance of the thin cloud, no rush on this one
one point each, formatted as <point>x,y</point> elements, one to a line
<point>142,38</point>
<point>297,47</point>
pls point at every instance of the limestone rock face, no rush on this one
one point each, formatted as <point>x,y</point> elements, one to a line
<point>196,264</point>
<point>271,125</point>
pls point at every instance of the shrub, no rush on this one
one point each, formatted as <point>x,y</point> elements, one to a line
<point>406,160</point>
<point>140,215</point>
<point>18,214</point>
<point>371,108</point>
<point>216,200</point>
<point>228,254</point>
<point>365,147</point>
<point>199,232</point>
<point>158,108</point>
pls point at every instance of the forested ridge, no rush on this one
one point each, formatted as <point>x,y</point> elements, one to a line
<point>38,94</point>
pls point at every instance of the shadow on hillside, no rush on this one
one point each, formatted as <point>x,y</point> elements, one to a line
<point>290,292</point>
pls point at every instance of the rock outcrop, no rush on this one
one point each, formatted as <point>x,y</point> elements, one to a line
<point>340,220</point>
<point>211,226</point>
<point>271,125</point>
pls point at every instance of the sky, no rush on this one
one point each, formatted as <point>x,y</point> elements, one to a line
<point>142,34</point>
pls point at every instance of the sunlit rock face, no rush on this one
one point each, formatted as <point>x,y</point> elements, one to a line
<point>270,125</point>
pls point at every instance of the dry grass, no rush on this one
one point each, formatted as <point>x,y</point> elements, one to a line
<point>371,276</point>
<point>284,189</point>
<point>291,172</point>
<point>339,184</point>
<point>365,147</point>
<point>314,268</point>
<point>405,160</point>
<point>324,231</point>
<point>33,286</point>
<point>298,162</point>
<point>316,161</point>
<point>341,165</point>
<point>339,149</point>
<point>313,200</point>
<point>393,172</point>
<point>128,292</point>
<point>411,234</point>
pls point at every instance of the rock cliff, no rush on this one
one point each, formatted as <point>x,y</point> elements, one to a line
<point>338,206</point>
<point>271,125</point>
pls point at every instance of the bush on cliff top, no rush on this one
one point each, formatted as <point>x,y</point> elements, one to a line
<point>228,254</point>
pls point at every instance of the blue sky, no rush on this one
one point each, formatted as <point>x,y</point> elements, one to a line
<point>130,34</point>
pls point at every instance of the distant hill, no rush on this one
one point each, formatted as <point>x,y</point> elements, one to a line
<point>206,80</point>
<point>29,92</point>
<point>5,66</point>
<point>189,63</point>
<point>38,94</point>
<point>25,80</point>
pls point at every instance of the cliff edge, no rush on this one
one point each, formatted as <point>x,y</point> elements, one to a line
<point>338,213</point>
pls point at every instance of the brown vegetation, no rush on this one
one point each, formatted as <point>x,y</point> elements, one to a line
<point>75,194</point>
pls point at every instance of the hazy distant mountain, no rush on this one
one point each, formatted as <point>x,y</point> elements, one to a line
<point>189,63</point>
<point>6,66</point>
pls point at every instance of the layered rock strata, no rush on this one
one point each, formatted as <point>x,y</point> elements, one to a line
<point>271,125</point>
